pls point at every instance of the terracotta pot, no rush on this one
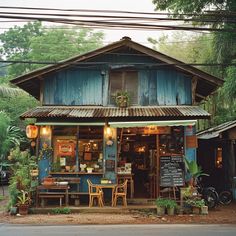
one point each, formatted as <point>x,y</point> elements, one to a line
<point>196,210</point>
<point>23,209</point>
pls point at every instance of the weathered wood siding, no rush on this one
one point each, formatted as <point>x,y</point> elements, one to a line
<point>164,87</point>
<point>81,86</point>
<point>74,87</point>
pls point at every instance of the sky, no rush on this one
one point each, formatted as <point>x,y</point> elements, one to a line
<point>110,35</point>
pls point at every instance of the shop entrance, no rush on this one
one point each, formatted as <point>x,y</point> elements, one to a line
<point>138,150</point>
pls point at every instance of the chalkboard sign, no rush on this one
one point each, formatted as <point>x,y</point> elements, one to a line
<point>171,171</point>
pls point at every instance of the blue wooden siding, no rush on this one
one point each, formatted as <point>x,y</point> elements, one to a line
<point>81,86</point>
<point>74,87</point>
<point>164,87</point>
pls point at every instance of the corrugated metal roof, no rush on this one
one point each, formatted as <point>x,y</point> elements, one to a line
<point>112,112</point>
<point>214,132</point>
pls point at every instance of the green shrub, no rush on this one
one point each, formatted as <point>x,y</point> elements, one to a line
<point>170,203</point>
<point>195,202</point>
<point>64,210</point>
<point>161,202</point>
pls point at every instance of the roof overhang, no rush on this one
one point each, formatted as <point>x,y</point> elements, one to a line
<point>99,113</point>
<point>215,132</point>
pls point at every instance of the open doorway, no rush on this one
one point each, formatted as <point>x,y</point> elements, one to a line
<point>138,150</point>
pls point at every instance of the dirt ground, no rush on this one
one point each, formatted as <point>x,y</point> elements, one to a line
<point>221,215</point>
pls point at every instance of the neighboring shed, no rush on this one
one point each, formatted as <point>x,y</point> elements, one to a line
<point>217,154</point>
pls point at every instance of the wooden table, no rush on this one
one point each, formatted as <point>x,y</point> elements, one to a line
<point>107,186</point>
<point>49,191</point>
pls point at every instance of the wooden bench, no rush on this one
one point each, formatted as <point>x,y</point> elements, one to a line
<point>51,196</point>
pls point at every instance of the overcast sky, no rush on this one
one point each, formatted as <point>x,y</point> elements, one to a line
<point>111,35</point>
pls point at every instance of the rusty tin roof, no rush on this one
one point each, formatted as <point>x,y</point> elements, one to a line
<point>115,112</point>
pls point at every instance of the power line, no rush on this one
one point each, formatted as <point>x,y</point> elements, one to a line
<point>210,13</point>
<point>120,25</point>
<point>114,21</point>
<point>120,17</point>
<point>113,63</point>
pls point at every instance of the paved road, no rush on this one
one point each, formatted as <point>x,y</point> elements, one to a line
<point>118,230</point>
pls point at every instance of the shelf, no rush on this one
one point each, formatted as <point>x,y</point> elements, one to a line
<point>75,173</point>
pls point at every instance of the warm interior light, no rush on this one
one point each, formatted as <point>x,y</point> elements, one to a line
<point>45,130</point>
<point>108,131</point>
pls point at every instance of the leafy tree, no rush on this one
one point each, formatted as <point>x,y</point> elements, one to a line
<point>16,45</point>
<point>15,105</point>
<point>33,42</point>
<point>10,136</point>
<point>223,49</point>
<point>58,44</point>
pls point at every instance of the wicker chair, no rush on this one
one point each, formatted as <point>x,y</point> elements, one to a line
<point>121,192</point>
<point>94,193</point>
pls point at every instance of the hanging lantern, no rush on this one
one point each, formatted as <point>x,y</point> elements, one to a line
<point>31,131</point>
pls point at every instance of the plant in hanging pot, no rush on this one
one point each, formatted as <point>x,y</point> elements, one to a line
<point>122,99</point>
<point>23,202</point>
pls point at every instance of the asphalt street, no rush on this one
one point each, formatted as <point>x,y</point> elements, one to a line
<point>118,230</point>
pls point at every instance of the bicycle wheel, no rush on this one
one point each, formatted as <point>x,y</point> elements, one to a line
<point>225,197</point>
<point>211,198</point>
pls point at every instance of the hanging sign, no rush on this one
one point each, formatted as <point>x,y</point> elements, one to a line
<point>157,130</point>
<point>191,141</point>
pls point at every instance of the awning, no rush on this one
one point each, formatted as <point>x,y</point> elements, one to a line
<point>152,123</point>
<point>68,113</point>
<point>71,123</point>
<point>124,124</point>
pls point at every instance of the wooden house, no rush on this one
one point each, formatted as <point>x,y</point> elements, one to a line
<point>217,155</point>
<point>92,137</point>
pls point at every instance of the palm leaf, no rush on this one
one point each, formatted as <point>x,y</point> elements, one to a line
<point>6,91</point>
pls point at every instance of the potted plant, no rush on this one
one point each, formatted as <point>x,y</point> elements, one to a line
<point>194,171</point>
<point>122,99</point>
<point>196,205</point>
<point>171,205</point>
<point>161,206</point>
<point>23,203</point>
<point>21,165</point>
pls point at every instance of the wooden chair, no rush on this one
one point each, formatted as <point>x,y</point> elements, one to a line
<point>169,192</point>
<point>94,193</point>
<point>121,191</point>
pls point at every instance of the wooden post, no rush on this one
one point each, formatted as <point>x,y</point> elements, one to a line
<point>194,86</point>
<point>41,97</point>
<point>158,167</point>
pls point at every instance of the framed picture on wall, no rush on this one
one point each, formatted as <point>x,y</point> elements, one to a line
<point>66,148</point>
<point>87,156</point>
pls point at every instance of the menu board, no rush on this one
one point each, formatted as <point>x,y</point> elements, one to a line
<point>171,171</point>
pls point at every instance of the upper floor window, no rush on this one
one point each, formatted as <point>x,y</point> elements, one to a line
<point>124,81</point>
